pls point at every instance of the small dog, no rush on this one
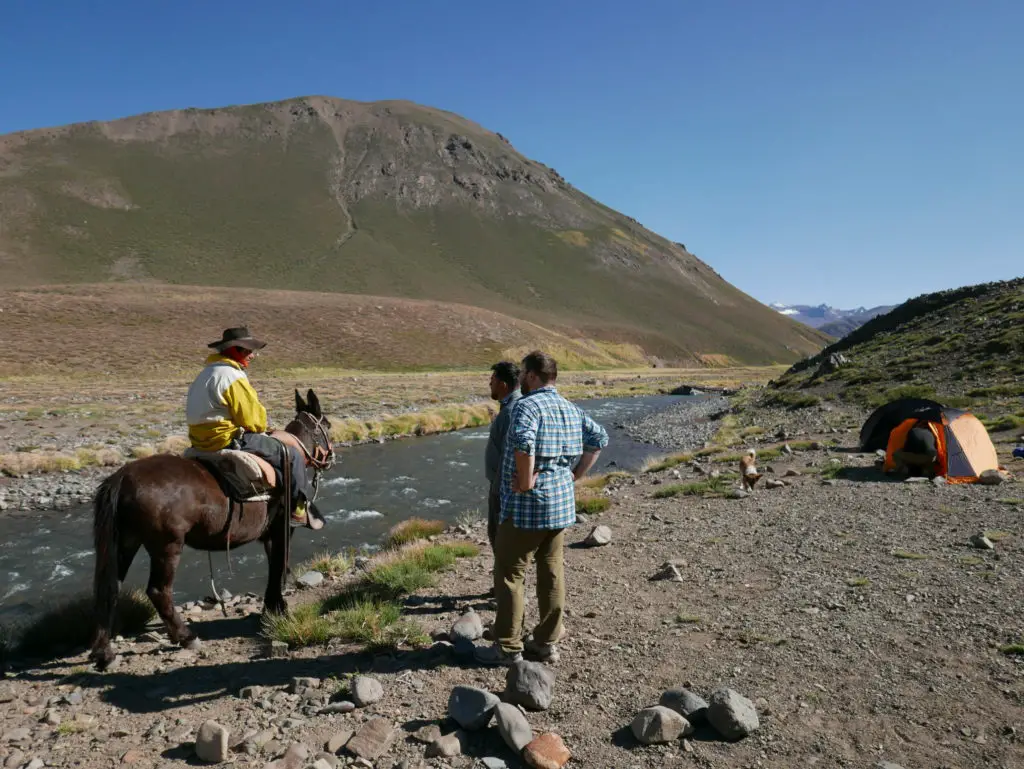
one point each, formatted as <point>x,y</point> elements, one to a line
<point>748,472</point>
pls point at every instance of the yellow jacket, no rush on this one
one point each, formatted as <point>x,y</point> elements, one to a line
<point>221,404</point>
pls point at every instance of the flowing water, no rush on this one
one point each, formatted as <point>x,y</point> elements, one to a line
<point>48,556</point>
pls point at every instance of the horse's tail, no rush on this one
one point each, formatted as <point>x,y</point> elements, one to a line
<point>105,581</point>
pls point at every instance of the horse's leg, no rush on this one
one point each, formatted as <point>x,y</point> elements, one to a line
<point>273,600</point>
<point>126,551</point>
<point>163,565</point>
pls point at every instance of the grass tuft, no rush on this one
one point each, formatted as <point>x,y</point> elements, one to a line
<point>328,564</point>
<point>1012,649</point>
<point>70,624</point>
<point>601,481</point>
<point>908,555</point>
<point>592,505</point>
<point>657,464</point>
<point>412,530</point>
<point>858,582</point>
<point>710,487</point>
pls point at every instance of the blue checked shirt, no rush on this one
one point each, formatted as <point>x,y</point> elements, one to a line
<point>555,432</point>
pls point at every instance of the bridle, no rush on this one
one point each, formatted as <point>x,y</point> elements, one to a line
<point>320,452</point>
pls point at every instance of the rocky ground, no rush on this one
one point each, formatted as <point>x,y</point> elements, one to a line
<point>683,426</point>
<point>853,612</point>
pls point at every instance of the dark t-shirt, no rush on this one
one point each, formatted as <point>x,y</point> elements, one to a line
<point>920,440</point>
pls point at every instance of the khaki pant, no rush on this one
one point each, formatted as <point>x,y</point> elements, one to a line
<point>512,554</point>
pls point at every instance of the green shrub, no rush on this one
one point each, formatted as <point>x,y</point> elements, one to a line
<point>412,530</point>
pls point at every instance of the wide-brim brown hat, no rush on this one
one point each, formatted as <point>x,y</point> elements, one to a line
<point>237,337</point>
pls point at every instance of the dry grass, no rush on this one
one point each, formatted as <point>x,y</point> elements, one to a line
<point>657,464</point>
<point>592,505</point>
<point>22,463</point>
<point>69,624</point>
<point>328,564</point>
<point>601,481</point>
<point>412,530</point>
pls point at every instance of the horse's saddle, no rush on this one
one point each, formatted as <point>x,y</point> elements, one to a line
<point>244,477</point>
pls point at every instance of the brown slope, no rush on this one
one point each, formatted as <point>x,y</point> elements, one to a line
<point>386,198</point>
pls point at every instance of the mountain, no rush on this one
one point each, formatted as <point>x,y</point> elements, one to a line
<point>964,347</point>
<point>830,320</point>
<point>386,198</point>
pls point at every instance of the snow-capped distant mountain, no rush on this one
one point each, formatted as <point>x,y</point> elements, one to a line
<point>831,320</point>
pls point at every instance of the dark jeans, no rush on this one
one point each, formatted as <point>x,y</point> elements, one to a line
<point>274,452</point>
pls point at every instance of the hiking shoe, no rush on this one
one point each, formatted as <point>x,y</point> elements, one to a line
<point>544,652</point>
<point>496,656</point>
<point>299,515</point>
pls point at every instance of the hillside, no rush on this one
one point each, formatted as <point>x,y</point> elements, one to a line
<point>964,346</point>
<point>381,199</point>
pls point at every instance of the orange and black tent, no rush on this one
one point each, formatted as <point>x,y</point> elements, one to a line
<point>962,443</point>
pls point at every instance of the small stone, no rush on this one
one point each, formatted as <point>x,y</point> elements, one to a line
<point>151,637</point>
<point>14,759</point>
<point>771,483</point>
<point>657,725</point>
<point>212,743</point>
<point>51,717</point>
<point>276,650</point>
<point>493,763</point>
<point>468,627</point>
<point>251,692</point>
<point>547,752</point>
<point>687,704</point>
<point>738,494</point>
<point>74,699</point>
<point>338,741</point>
<point>791,473</point>
<point>17,735</point>
<point>373,739</point>
<point>311,579</point>
<point>732,715</point>
<point>427,734</point>
<point>938,480</point>
<point>471,708</point>
<point>598,537</point>
<point>133,757</point>
<point>887,765</point>
<point>991,478</point>
<point>7,695</point>
<point>669,571</point>
<point>296,756</point>
<point>302,685</point>
<point>529,684</point>
<point>323,763</point>
<point>35,763</point>
<point>982,542</point>
<point>337,707</point>
<point>513,726</point>
<point>366,691</point>
<point>447,746</point>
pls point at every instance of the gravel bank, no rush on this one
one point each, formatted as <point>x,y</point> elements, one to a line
<point>681,427</point>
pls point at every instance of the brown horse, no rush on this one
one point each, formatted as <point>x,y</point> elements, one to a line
<point>165,502</point>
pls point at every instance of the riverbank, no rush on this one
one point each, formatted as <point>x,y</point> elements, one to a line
<point>854,612</point>
<point>56,445</point>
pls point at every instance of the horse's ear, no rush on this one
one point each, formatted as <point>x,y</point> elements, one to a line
<point>314,404</point>
<point>300,405</point>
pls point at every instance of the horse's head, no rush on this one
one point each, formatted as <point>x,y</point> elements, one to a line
<point>313,430</point>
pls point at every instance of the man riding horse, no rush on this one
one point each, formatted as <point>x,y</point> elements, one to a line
<point>224,412</point>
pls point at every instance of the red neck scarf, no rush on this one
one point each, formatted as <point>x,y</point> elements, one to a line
<point>238,355</point>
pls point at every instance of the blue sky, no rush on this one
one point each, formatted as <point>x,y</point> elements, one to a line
<point>842,151</point>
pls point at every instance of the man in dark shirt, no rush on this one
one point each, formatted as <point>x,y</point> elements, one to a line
<point>505,390</point>
<point>918,455</point>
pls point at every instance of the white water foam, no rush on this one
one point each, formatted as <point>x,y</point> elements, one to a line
<point>60,571</point>
<point>454,463</point>
<point>342,481</point>
<point>403,479</point>
<point>408,492</point>
<point>16,587</point>
<point>355,515</point>
<point>436,502</point>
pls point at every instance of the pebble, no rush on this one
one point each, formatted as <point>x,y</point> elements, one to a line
<point>547,752</point>
<point>337,707</point>
<point>302,685</point>
<point>493,763</point>
<point>658,724</point>
<point>513,726</point>
<point>366,691</point>
<point>427,734</point>
<point>598,537</point>
<point>276,650</point>
<point>17,735</point>
<point>471,708</point>
<point>530,684</point>
<point>447,746</point>
<point>35,763</point>
<point>732,715</point>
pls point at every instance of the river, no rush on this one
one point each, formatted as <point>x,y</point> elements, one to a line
<point>47,556</point>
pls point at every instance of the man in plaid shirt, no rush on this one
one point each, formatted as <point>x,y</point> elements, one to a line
<point>551,443</point>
